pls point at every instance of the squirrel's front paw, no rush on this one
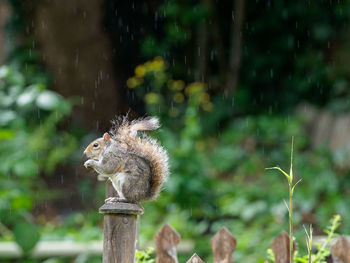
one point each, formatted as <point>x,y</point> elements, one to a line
<point>88,163</point>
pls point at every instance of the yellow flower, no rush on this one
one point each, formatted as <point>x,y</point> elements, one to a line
<point>195,87</point>
<point>140,71</point>
<point>177,85</point>
<point>158,62</point>
<point>208,106</point>
<point>147,65</point>
<point>133,82</point>
<point>179,97</point>
<point>151,98</point>
<point>204,97</point>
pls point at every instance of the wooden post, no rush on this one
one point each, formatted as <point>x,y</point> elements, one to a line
<point>119,231</point>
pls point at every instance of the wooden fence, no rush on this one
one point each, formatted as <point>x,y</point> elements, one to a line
<point>121,230</point>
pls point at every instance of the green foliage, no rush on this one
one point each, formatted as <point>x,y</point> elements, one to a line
<point>145,256</point>
<point>322,250</point>
<point>26,235</point>
<point>299,57</point>
<point>30,144</point>
<point>291,186</point>
<point>217,175</point>
<point>218,151</point>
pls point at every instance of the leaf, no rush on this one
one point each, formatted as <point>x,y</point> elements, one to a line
<point>23,202</point>
<point>26,235</point>
<point>279,169</point>
<point>6,116</point>
<point>6,134</point>
<point>26,168</point>
<point>28,97</point>
<point>48,100</point>
<point>4,71</point>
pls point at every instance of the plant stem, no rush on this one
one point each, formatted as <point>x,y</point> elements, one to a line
<point>290,224</point>
<point>309,252</point>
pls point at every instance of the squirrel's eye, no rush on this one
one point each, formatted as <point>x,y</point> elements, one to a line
<point>95,145</point>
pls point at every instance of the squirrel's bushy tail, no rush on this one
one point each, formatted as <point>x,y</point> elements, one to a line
<point>125,132</point>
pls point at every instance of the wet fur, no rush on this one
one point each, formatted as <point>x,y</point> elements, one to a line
<point>137,166</point>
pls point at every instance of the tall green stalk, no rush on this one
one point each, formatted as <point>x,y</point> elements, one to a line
<point>290,207</point>
<point>309,243</point>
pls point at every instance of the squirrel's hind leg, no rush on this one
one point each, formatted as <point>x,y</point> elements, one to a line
<point>117,181</point>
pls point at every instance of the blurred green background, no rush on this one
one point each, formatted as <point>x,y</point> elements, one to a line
<point>231,81</point>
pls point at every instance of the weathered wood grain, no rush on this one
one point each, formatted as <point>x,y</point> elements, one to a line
<point>223,244</point>
<point>121,208</point>
<point>340,250</point>
<point>195,259</point>
<point>166,241</point>
<point>119,231</point>
<point>280,248</point>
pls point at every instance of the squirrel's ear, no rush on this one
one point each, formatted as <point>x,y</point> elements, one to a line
<point>106,137</point>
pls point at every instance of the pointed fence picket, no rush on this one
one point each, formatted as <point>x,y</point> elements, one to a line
<point>340,251</point>
<point>223,244</point>
<point>280,248</point>
<point>166,241</point>
<point>195,259</point>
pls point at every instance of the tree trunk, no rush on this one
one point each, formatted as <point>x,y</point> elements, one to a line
<point>77,51</point>
<point>201,52</point>
<point>217,39</point>
<point>235,50</point>
<point>5,12</point>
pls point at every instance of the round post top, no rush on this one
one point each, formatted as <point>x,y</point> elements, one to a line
<point>121,208</point>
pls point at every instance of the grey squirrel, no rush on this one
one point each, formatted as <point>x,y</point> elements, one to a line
<point>136,165</point>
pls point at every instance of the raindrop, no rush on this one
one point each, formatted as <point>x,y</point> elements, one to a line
<point>212,55</point>
<point>76,59</point>
<point>271,73</point>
